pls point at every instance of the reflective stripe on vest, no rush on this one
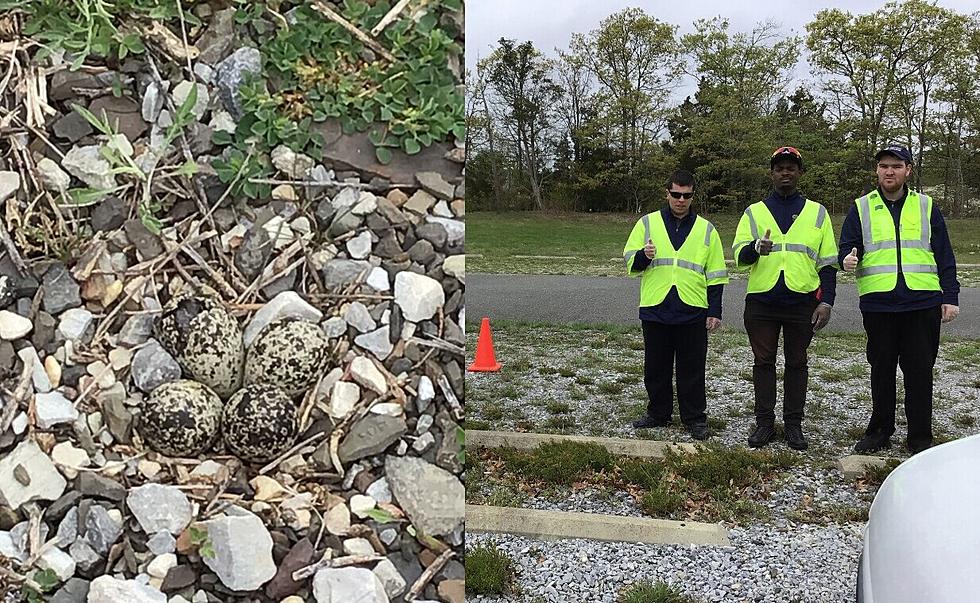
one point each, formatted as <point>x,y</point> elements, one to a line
<point>877,272</point>
<point>797,260</point>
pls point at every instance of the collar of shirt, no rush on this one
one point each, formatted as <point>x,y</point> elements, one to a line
<point>900,200</point>
<point>796,197</point>
<point>669,217</point>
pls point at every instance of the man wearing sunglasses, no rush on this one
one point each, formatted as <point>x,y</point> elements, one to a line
<point>681,263</point>
<point>896,240</point>
<point>788,244</point>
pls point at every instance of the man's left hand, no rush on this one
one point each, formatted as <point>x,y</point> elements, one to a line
<point>821,316</point>
<point>713,324</point>
<point>950,312</point>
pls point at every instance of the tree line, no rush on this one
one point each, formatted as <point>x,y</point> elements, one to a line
<point>596,126</point>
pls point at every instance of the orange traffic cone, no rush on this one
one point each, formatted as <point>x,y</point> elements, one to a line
<point>486,360</point>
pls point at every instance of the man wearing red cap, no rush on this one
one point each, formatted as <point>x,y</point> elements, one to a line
<point>787,242</point>
<point>896,241</point>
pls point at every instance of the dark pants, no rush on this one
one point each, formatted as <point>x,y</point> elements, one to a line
<point>909,340</point>
<point>662,343</point>
<point>763,323</point>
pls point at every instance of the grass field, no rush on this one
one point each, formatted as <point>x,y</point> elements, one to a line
<point>592,244</point>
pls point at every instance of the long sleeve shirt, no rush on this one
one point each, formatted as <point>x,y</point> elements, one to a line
<point>672,310</point>
<point>785,210</point>
<point>901,298</point>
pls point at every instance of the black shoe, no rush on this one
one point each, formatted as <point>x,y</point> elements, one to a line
<point>918,446</point>
<point>763,434</point>
<point>793,434</point>
<point>873,442</point>
<point>648,421</point>
<point>698,431</point>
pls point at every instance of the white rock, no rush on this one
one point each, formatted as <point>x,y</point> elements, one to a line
<point>153,101</point>
<point>223,121</point>
<point>9,183</point>
<point>418,296</point>
<point>279,231</point>
<point>337,520</point>
<point>389,409</point>
<point>74,323</point>
<point>157,508</point>
<point>9,549</point>
<point>70,459</point>
<point>159,567</point>
<point>390,577</point>
<point>358,546</point>
<point>422,443</point>
<point>455,265</point>
<point>343,398</point>
<point>19,424</point>
<point>88,165</point>
<point>39,376</point>
<point>183,90</point>
<point>45,483</point>
<point>360,505</point>
<point>358,316</point>
<point>379,491</point>
<point>366,203</point>
<point>345,198</point>
<point>106,589</point>
<point>295,165</point>
<point>59,562</point>
<point>53,409</point>
<point>207,470</point>
<point>368,375</point>
<point>14,326</point>
<point>52,177</point>
<point>335,326</point>
<point>377,279</point>
<point>360,246</point>
<point>442,210</point>
<point>287,304</point>
<point>454,228</point>
<point>162,543</point>
<point>348,584</point>
<point>426,391</point>
<point>242,551</point>
<point>377,342</point>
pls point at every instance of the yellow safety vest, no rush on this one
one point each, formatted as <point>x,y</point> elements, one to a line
<point>799,254</point>
<point>698,263</point>
<point>877,271</point>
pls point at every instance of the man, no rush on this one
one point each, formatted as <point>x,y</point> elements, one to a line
<point>788,243</point>
<point>897,241</point>
<point>681,263</point>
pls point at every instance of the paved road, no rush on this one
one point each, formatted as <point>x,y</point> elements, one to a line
<point>563,299</point>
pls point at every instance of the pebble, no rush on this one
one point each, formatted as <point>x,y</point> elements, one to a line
<point>157,508</point>
<point>368,375</point>
<point>377,279</point>
<point>160,565</point>
<point>358,316</point>
<point>70,459</point>
<point>52,177</point>
<point>377,342</point>
<point>88,165</point>
<point>42,383</point>
<point>9,183</point>
<point>14,326</point>
<point>335,326</point>
<point>360,246</point>
<point>162,543</point>
<point>418,296</point>
<point>53,370</point>
<point>153,366</point>
<point>74,323</point>
<point>43,480</point>
<point>344,396</point>
<point>182,90</point>
<point>431,496</point>
<point>230,536</point>
<point>53,409</point>
<point>348,584</point>
<point>107,589</point>
<point>361,504</point>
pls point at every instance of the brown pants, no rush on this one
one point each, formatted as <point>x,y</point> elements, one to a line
<point>763,323</point>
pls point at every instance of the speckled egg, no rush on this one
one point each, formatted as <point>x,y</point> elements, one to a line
<point>181,418</point>
<point>260,422</point>
<point>287,353</point>
<point>205,339</point>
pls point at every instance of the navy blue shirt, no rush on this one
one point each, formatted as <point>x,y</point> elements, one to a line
<point>901,298</point>
<point>672,310</point>
<point>785,210</point>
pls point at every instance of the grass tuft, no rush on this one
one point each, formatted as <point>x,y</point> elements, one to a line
<point>659,592</point>
<point>489,571</point>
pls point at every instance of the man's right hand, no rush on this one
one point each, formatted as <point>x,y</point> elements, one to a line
<point>764,245</point>
<point>650,250</point>
<point>851,260</point>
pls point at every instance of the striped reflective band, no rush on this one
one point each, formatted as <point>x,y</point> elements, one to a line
<point>827,260</point>
<point>707,234</point>
<point>662,262</point>
<point>924,233</point>
<point>821,215</point>
<point>928,268</point>
<point>690,266</point>
<point>795,247</point>
<point>753,227</point>
<point>716,274</point>
<point>876,246</point>
<point>877,270</point>
<point>646,228</point>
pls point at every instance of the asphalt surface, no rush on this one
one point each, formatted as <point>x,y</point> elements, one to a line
<point>604,300</point>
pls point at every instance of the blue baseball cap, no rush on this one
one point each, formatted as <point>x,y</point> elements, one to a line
<point>898,151</point>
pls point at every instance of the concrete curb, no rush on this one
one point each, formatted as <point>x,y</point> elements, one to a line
<point>854,465</point>
<point>527,441</point>
<point>551,525</point>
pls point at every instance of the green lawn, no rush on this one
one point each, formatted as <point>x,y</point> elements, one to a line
<point>592,244</point>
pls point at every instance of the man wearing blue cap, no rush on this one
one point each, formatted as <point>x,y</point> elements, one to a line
<point>896,240</point>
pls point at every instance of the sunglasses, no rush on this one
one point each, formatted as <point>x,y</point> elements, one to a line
<point>678,194</point>
<point>787,150</point>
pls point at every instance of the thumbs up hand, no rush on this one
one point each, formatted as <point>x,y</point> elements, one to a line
<point>650,250</point>
<point>851,260</point>
<point>763,246</point>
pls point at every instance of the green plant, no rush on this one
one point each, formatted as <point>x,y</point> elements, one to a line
<point>47,580</point>
<point>646,592</point>
<point>489,571</point>
<point>661,499</point>
<point>200,539</point>
<point>560,462</point>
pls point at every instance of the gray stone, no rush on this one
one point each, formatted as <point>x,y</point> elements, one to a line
<point>287,304</point>
<point>183,90</point>
<point>123,113</point>
<point>86,557</point>
<point>294,165</point>
<point>359,247</point>
<point>136,330</point>
<point>231,72</point>
<point>422,252</point>
<point>118,418</point>
<point>153,100</point>
<point>343,222</point>
<point>9,183</point>
<point>434,184</point>
<point>433,233</point>
<point>218,39</point>
<point>455,229</point>
<point>162,543</point>
<point>242,551</point>
<point>14,326</point>
<point>390,577</point>
<point>52,177</point>
<point>53,409</point>
<point>357,316</point>
<point>43,482</point>
<point>153,366</point>
<point>254,252</point>
<point>418,296</point>
<point>73,591</point>
<point>147,243</point>
<point>353,584</point>
<point>42,383</point>
<point>60,290</point>
<point>72,127</point>
<point>370,436</point>
<point>379,490</point>
<point>106,589</point>
<point>109,214</point>
<point>75,323</point>
<point>343,272</point>
<point>88,165</point>
<point>94,485</point>
<point>159,508</point>
<point>377,342</point>
<point>335,326</point>
<point>431,497</point>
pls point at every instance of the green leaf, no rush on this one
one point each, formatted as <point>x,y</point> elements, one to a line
<point>383,155</point>
<point>381,516</point>
<point>198,535</point>
<point>221,137</point>
<point>411,146</point>
<point>84,197</point>
<point>152,223</point>
<point>47,579</point>
<point>207,551</point>
<point>189,168</point>
<point>90,117</point>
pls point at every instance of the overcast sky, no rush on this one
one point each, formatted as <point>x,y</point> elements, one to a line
<point>550,23</point>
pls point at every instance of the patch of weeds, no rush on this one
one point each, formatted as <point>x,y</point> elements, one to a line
<point>854,432</point>
<point>560,423</point>
<point>829,514</point>
<point>584,380</point>
<point>644,473</point>
<point>558,462</point>
<point>525,424</point>
<point>509,391</point>
<point>504,496</point>
<point>476,424</point>
<point>547,370</point>
<point>489,571</point>
<point>746,375</point>
<point>659,592</point>
<point>635,344</point>
<point>578,394</point>
<point>626,379</point>
<point>557,407</point>
<point>47,580</point>
<point>717,423</point>
<point>715,466</point>
<point>493,411</point>
<point>875,475</point>
<point>611,387</point>
<point>965,420</point>
<point>519,365</point>
<point>566,372</point>
<point>662,500</point>
<point>841,373</point>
